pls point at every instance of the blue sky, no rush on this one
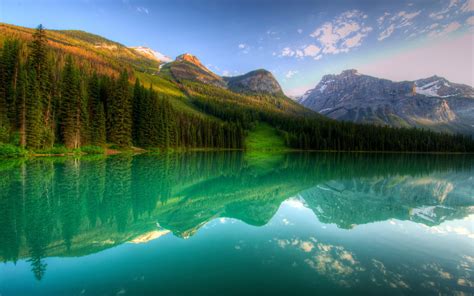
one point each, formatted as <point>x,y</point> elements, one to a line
<point>299,41</point>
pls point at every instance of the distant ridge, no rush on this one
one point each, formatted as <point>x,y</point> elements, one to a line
<point>434,103</point>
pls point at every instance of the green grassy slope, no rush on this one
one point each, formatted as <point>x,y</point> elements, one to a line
<point>264,137</point>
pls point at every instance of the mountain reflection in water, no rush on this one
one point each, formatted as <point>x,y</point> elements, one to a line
<point>67,207</point>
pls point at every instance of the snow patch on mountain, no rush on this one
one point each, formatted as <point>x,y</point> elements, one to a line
<point>430,89</point>
<point>305,96</point>
<point>152,54</point>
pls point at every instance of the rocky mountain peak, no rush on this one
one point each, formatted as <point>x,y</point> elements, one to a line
<point>349,72</point>
<point>436,86</point>
<point>258,81</point>
<point>192,59</point>
<point>432,102</point>
<point>187,57</point>
<point>152,54</point>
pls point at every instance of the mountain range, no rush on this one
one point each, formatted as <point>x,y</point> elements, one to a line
<point>182,103</point>
<point>434,103</point>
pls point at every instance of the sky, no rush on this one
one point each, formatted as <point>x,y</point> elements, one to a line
<point>299,41</point>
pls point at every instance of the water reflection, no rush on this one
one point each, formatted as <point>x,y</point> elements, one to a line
<point>74,207</point>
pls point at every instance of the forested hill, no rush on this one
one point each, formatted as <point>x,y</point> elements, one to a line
<point>75,89</point>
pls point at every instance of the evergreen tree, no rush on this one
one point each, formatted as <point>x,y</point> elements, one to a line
<point>120,113</point>
<point>138,109</point>
<point>96,112</point>
<point>71,106</point>
<point>9,64</point>
<point>33,118</point>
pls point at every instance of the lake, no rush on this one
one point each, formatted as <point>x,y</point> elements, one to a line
<point>215,223</point>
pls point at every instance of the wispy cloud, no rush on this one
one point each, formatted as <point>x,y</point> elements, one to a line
<point>289,52</point>
<point>244,48</point>
<point>291,73</point>
<point>450,8</point>
<point>444,30</point>
<point>142,9</point>
<point>271,34</point>
<point>390,22</point>
<point>230,73</point>
<point>344,33</point>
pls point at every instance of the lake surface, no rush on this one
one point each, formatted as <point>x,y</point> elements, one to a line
<point>233,223</point>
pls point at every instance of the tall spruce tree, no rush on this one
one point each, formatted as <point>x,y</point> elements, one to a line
<point>138,115</point>
<point>120,113</point>
<point>9,66</point>
<point>71,106</point>
<point>96,112</point>
<point>33,111</point>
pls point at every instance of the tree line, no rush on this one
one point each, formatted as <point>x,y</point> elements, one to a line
<point>46,99</point>
<point>313,132</point>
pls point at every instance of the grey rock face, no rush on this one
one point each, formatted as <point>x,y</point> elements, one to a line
<point>258,81</point>
<point>433,103</point>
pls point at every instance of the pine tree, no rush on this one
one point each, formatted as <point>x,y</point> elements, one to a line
<point>138,105</point>
<point>21,105</point>
<point>9,64</point>
<point>33,112</point>
<point>71,106</point>
<point>96,112</point>
<point>120,113</point>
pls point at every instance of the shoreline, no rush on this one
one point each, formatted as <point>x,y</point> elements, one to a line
<point>137,151</point>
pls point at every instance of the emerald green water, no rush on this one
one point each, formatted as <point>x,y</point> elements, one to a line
<point>234,223</point>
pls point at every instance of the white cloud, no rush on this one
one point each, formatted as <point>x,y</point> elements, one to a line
<point>382,18</point>
<point>287,52</point>
<point>305,51</point>
<point>353,41</point>
<point>291,73</point>
<point>343,33</point>
<point>446,29</point>
<point>311,50</point>
<point>141,9</point>
<point>452,8</point>
<point>451,27</point>
<point>405,19</point>
<point>299,31</point>
<point>386,33</point>
<point>244,48</point>
<point>389,23</point>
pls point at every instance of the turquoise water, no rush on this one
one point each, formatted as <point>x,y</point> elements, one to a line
<point>234,223</point>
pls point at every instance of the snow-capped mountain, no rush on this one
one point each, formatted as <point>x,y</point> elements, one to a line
<point>152,54</point>
<point>434,102</point>
<point>436,86</point>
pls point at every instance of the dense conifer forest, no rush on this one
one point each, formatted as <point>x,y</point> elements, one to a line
<point>49,98</point>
